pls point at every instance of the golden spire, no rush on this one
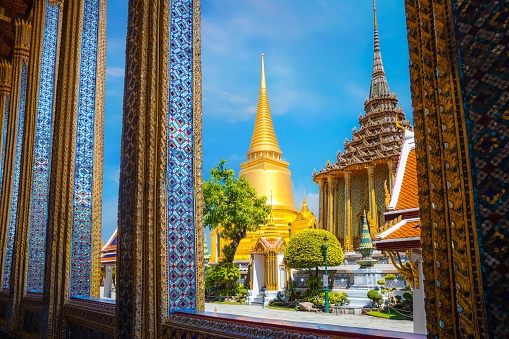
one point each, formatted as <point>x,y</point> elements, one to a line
<point>264,140</point>
<point>304,204</point>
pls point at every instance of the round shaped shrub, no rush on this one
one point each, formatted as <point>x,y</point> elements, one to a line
<point>390,277</point>
<point>306,249</point>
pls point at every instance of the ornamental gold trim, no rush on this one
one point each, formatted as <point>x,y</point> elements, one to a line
<point>198,158</point>
<point>453,288</point>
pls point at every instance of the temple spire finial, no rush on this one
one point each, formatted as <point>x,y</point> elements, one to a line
<point>374,11</point>
<point>379,85</point>
<point>263,84</point>
<point>263,142</point>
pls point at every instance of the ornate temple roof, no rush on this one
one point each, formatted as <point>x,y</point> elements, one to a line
<point>264,138</point>
<point>404,230</point>
<point>378,135</point>
<point>403,235</point>
<point>405,193</point>
<point>109,251</point>
<point>304,213</point>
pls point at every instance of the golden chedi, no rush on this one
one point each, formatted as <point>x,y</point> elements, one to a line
<point>269,176</point>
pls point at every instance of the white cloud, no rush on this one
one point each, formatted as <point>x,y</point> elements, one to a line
<point>313,200</point>
<point>115,176</point>
<point>283,102</point>
<point>117,72</point>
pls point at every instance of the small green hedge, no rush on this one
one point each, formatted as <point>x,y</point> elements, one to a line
<point>384,314</point>
<point>283,308</point>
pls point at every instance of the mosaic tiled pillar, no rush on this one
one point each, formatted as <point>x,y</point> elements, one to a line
<point>330,224</point>
<point>160,202</point>
<point>73,234</point>
<point>321,185</point>
<point>5,92</point>
<point>13,145</point>
<point>373,210</point>
<point>348,211</point>
<point>453,286</point>
<point>29,246</point>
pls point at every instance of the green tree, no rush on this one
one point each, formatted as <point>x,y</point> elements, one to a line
<point>223,277</point>
<point>306,250</point>
<point>375,297</point>
<point>232,204</point>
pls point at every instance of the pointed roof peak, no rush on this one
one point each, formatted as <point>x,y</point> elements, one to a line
<point>379,85</point>
<point>374,11</point>
<point>365,236</point>
<point>264,139</point>
<point>304,207</point>
<point>263,84</point>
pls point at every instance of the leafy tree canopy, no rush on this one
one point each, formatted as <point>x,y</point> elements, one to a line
<point>306,249</point>
<point>232,204</point>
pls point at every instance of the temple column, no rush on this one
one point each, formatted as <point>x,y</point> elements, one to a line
<point>160,243</point>
<point>5,91</point>
<point>336,208</point>
<point>372,200</point>
<point>331,183</point>
<point>392,164</point>
<point>73,233</point>
<point>348,211</point>
<point>29,247</point>
<point>13,145</point>
<point>419,315</point>
<point>321,185</point>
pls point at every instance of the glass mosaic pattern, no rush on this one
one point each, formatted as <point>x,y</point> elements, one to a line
<point>182,280</point>
<point>4,139</point>
<point>81,246</point>
<point>15,181</point>
<point>40,181</point>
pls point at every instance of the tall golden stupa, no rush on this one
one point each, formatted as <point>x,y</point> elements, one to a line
<point>269,176</point>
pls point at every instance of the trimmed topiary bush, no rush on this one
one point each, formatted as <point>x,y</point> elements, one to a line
<point>305,250</point>
<point>375,297</point>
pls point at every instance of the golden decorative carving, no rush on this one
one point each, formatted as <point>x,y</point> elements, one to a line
<point>198,157</point>
<point>20,299</point>
<point>5,79</point>
<point>22,30</point>
<point>407,270</point>
<point>53,3</point>
<point>61,192</point>
<point>97,187</point>
<point>19,62</point>
<point>143,207</point>
<point>454,303</point>
<point>92,314</point>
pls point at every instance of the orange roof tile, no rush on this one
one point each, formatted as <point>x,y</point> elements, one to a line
<point>411,229</point>
<point>408,196</point>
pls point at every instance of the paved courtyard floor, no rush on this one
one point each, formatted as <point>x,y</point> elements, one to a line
<point>363,321</point>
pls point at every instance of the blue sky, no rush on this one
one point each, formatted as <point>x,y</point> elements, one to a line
<point>318,61</point>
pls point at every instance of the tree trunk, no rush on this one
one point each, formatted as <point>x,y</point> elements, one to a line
<point>236,242</point>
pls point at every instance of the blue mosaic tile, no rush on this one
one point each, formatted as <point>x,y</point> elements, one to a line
<point>15,183</point>
<point>41,169</point>
<point>181,247</point>
<point>4,139</point>
<point>81,245</point>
